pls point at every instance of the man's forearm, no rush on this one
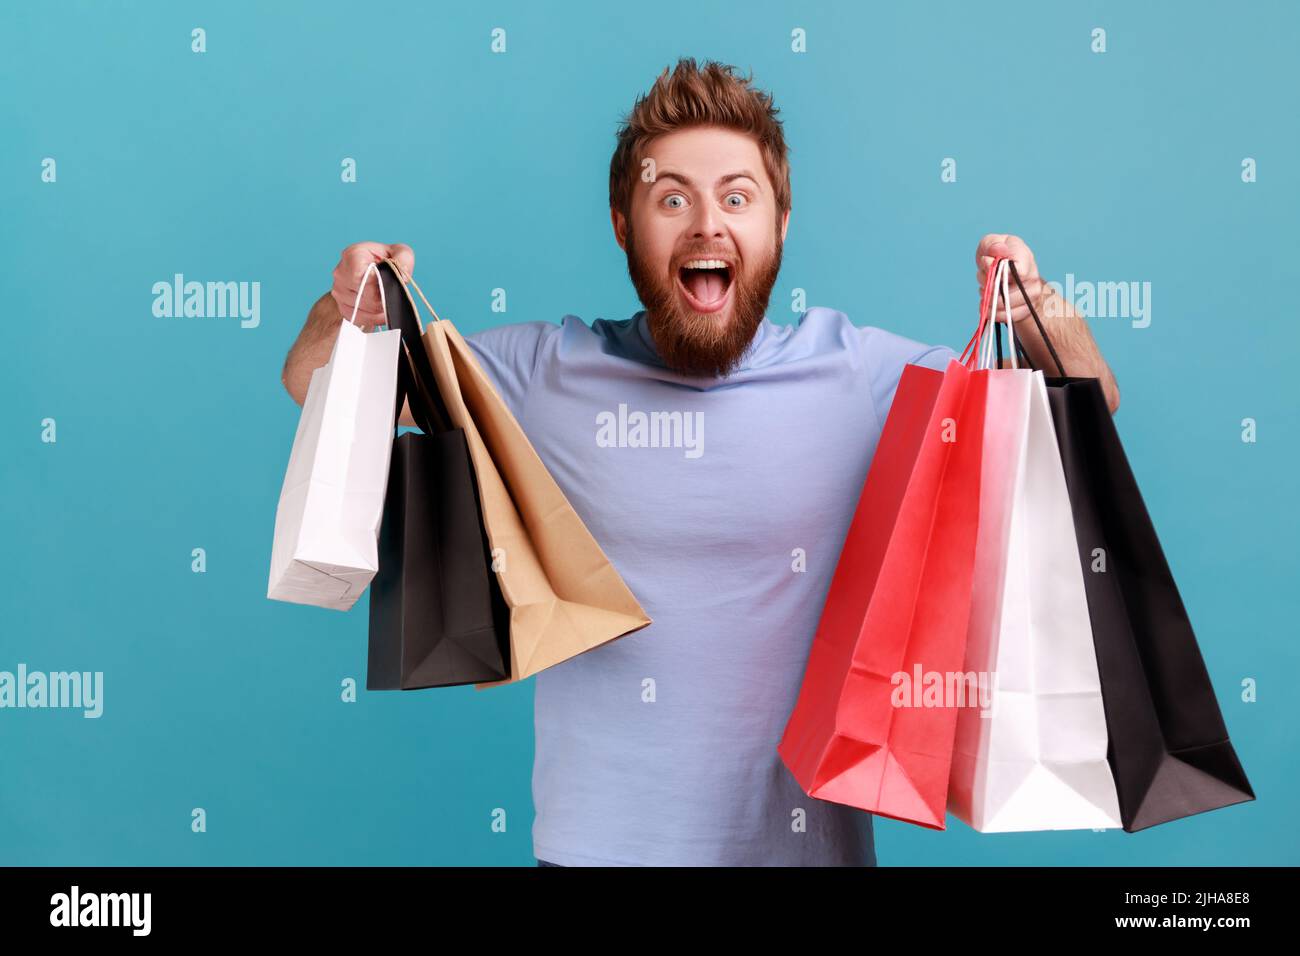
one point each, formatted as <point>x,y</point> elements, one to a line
<point>1073,341</point>
<point>313,347</point>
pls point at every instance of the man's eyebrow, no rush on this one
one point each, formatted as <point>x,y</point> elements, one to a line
<point>686,180</point>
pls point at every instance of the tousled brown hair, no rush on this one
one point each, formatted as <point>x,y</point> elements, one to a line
<point>708,94</point>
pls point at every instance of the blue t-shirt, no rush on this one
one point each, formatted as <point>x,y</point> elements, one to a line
<point>723,503</point>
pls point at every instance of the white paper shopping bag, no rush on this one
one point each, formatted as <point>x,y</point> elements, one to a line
<point>1031,755</point>
<point>325,551</point>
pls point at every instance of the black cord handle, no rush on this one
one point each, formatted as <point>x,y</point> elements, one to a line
<point>415,378</point>
<point>1037,322</point>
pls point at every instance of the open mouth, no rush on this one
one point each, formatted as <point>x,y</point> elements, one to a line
<point>705,284</point>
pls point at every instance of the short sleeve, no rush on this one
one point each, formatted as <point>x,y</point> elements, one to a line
<point>509,355</point>
<point>887,354</point>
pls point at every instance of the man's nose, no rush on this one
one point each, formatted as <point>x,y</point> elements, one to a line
<point>707,222</point>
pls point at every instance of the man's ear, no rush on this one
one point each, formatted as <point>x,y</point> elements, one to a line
<point>620,227</point>
<point>785,225</point>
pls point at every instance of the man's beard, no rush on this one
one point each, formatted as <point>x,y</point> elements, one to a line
<point>703,343</point>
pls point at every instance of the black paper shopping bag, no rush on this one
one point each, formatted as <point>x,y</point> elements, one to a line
<point>1169,749</point>
<point>437,617</point>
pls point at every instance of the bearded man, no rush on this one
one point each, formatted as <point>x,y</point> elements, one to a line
<point>660,748</point>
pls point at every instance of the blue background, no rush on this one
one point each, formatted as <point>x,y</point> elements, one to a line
<point>174,433</point>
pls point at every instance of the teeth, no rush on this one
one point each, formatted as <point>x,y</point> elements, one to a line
<point>705,264</point>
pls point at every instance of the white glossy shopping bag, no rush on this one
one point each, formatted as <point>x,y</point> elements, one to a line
<point>325,551</point>
<point>1030,754</point>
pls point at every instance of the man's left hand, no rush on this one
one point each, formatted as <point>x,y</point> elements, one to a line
<point>1013,248</point>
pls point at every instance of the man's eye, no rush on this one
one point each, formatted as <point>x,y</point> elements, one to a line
<point>740,200</point>
<point>675,201</point>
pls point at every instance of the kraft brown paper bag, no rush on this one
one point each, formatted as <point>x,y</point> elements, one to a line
<point>565,596</point>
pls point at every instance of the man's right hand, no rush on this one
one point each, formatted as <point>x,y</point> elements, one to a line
<point>352,268</point>
<point>316,340</point>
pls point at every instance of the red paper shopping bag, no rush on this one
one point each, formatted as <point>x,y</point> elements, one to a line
<point>867,729</point>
